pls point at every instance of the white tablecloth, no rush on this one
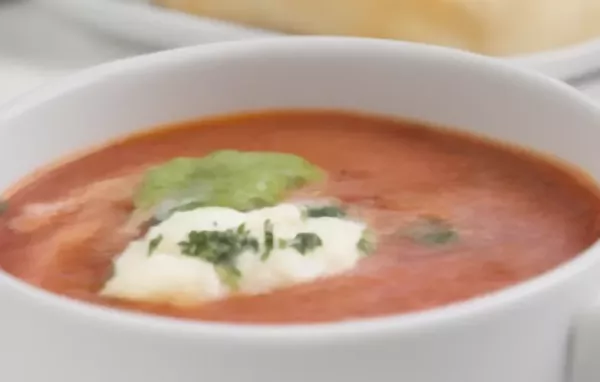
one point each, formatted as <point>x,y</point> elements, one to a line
<point>36,46</point>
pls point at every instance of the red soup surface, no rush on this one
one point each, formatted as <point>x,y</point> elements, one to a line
<point>513,215</point>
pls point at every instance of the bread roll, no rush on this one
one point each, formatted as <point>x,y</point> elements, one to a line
<point>493,27</point>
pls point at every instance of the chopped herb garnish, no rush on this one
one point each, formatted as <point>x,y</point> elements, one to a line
<point>431,230</point>
<point>305,242</point>
<point>366,243</point>
<point>241,229</point>
<point>220,248</point>
<point>246,241</point>
<point>154,243</point>
<point>331,211</point>
<point>217,247</point>
<point>230,275</point>
<point>250,243</point>
<point>3,206</point>
<point>269,239</point>
<point>281,243</point>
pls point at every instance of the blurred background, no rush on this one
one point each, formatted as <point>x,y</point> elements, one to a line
<point>38,44</point>
<point>42,40</point>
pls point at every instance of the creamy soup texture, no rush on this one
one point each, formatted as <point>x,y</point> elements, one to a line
<point>295,217</point>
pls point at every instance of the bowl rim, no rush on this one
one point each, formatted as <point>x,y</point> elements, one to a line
<point>423,320</point>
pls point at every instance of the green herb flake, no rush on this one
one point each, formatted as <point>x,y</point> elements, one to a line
<point>220,248</point>
<point>269,239</point>
<point>331,211</point>
<point>250,243</point>
<point>282,243</point>
<point>241,229</point>
<point>3,206</point>
<point>215,247</point>
<point>432,230</point>
<point>154,243</point>
<point>305,242</point>
<point>229,275</point>
<point>366,244</point>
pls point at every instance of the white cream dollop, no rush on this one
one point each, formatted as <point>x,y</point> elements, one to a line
<point>168,275</point>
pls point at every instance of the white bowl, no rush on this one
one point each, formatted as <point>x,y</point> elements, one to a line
<point>519,334</point>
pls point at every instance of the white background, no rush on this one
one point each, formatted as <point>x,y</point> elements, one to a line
<point>36,46</point>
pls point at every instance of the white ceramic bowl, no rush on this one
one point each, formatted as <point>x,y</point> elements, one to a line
<point>520,334</point>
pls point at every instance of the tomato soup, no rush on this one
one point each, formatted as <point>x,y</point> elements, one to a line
<point>455,216</point>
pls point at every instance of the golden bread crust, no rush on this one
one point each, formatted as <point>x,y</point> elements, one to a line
<point>494,27</point>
